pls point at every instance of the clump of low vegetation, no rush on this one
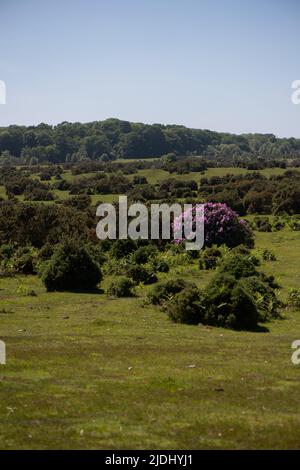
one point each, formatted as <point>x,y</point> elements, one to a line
<point>294,298</point>
<point>209,258</point>
<point>71,267</point>
<point>121,287</point>
<point>237,297</point>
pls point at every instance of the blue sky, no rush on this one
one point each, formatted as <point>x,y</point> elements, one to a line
<point>225,65</point>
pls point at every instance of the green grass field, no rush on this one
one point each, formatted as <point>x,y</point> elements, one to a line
<point>84,371</point>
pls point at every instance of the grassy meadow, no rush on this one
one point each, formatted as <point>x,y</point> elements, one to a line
<point>85,371</point>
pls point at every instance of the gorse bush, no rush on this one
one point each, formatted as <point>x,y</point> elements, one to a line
<point>238,266</point>
<point>121,287</point>
<point>141,274</point>
<point>24,260</point>
<point>122,247</point>
<point>262,224</point>
<point>166,289</point>
<point>230,304</point>
<point>294,298</point>
<point>268,255</point>
<point>160,266</point>
<point>237,297</point>
<point>187,306</point>
<point>72,268</point>
<point>209,258</point>
<point>144,253</point>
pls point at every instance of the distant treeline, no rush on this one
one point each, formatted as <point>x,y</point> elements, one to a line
<point>113,139</point>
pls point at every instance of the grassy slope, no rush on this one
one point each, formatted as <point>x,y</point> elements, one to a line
<point>84,371</point>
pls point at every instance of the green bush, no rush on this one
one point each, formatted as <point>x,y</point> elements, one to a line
<point>265,297</point>
<point>71,268</point>
<point>230,304</point>
<point>25,260</point>
<point>166,289</point>
<point>268,255</point>
<point>262,224</point>
<point>209,258</point>
<point>121,287</point>
<point>141,274</point>
<point>122,247</point>
<point>161,266</point>
<point>238,266</point>
<point>144,253</point>
<point>294,298</point>
<point>187,306</point>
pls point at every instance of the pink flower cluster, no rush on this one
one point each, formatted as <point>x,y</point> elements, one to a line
<point>222,225</point>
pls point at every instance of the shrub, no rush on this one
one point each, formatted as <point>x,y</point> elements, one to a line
<point>209,258</point>
<point>122,248</point>
<point>71,268</point>
<point>238,266</point>
<point>6,251</point>
<point>268,255</point>
<point>266,301</point>
<point>230,304</point>
<point>294,298</point>
<point>165,290</point>
<point>221,226</point>
<point>262,224</point>
<point>46,252</point>
<point>187,306</point>
<point>141,274</point>
<point>278,224</point>
<point>161,266</point>
<point>121,287</point>
<point>25,260</point>
<point>144,253</point>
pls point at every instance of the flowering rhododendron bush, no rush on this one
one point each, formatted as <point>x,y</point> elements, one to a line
<point>222,225</point>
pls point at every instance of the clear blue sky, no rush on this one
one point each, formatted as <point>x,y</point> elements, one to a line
<point>225,65</point>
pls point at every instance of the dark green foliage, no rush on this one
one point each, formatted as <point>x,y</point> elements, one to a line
<point>187,306</point>
<point>268,255</point>
<point>166,289</point>
<point>144,254</point>
<point>262,224</point>
<point>122,248</point>
<point>141,274</point>
<point>294,298</point>
<point>209,258</point>
<point>265,297</point>
<point>24,260</point>
<point>230,304</point>
<point>71,268</point>
<point>160,266</point>
<point>103,141</point>
<point>121,287</point>
<point>238,266</point>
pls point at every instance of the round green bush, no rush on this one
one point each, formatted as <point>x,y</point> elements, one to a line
<point>122,247</point>
<point>187,306</point>
<point>121,287</point>
<point>140,274</point>
<point>166,289</point>
<point>238,266</point>
<point>144,253</point>
<point>71,268</point>
<point>209,258</point>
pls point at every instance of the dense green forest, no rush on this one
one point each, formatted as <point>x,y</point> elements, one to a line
<point>112,139</point>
